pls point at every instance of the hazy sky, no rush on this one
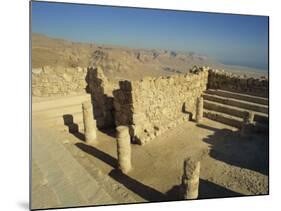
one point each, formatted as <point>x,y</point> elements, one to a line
<point>230,39</point>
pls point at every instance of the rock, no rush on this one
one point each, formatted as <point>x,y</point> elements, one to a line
<point>67,77</point>
<point>36,70</point>
<point>36,92</point>
<point>48,70</point>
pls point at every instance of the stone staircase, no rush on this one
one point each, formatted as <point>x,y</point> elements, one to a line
<point>58,180</point>
<point>230,107</point>
<point>64,113</point>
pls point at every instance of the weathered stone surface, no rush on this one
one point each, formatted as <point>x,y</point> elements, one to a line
<point>36,70</point>
<point>247,123</point>
<point>89,123</point>
<point>143,105</point>
<point>57,81</point>
<point>227,81</point>
<point>124,149</point>
<point>101,90</point>
<point>199,109</point>
<point>67,77</point>
<point>36,92</point>
<point>191,178</point>
<point>163,101</point>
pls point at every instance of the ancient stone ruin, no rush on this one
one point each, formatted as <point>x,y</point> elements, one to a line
<point>151,106</point>
<point>105,117</point>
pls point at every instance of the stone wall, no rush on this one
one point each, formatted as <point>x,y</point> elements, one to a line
<point>149,106</point>
<point>61,81</point>
<point>58,81</point>
<point>101,90</point>
<point>231,82</point>
<point>153,105</point>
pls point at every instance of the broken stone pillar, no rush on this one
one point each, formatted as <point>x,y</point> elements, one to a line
<point>89,123</point>
<point>250,117</point>
<point>190,178</point>
<point>124,149</point>
<point>247,121</point>
<point>199,109</point>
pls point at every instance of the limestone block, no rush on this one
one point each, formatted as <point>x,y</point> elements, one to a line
<point>67,77</point>
<point>59,70</point>
<point>48,70</point>
<point>36,70</point>
<point>55,89</point>
<point>138,118</point>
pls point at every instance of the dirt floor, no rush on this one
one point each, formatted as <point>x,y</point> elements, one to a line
<point>234,166</point>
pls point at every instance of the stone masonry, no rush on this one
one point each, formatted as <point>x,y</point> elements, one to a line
<point>58,81</point>
<point>231,82</point>
<point>101,90</point>
<point>148,107</point>
<point>153,105</point>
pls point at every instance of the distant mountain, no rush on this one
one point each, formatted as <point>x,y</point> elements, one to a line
<point>117,62</point>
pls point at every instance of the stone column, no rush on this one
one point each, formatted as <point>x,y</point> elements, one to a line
<point>89,123</point>
<point>190,178</point>
<point>124,149</point>
<point>247,121</point>
<point>199,109</point>
<point>250,117</point>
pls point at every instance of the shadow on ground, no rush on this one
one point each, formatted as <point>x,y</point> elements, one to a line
<point>137,187</point>
<point>73,128</point>
<point>109,131</point>
<point>207,190</point>
<point>249,152</point>
<point>108,159</point>
<point>144,191</point>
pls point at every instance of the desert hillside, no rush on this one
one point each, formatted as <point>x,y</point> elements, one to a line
<point>120,62</point>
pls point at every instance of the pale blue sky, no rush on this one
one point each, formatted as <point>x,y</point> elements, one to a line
<point>230,39</point>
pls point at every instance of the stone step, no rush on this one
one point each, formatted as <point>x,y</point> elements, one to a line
<point>236,103</point>
<point>71,183</point>
<point>42,193</point>
<point>238,96</point>
<point>57,102</point>
<point>233,120</point>
<point>234,111</point>
<point>223,118</point>
<point>73,128</point>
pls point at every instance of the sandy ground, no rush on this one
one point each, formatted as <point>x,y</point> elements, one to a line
<point>235,166</point>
